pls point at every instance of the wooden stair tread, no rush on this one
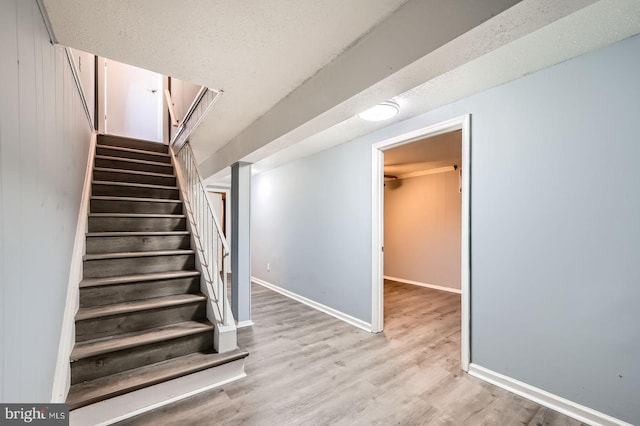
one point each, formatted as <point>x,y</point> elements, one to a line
<point>133,150</point>
<point>122,255</point>
<point>133,172</point>
<point>120,342</point>
<point>92,391</point>
<point>123,279</point>
<point>135,199</point>
<point>134,160</point>
<point>140,215</point>
<point>136,233</point>
<point>138,305</point>
<point>105,139</point>
<point>133,184</point>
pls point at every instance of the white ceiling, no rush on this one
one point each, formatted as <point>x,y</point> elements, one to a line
<point>295,73</point>
<point>595,26</point>
<point>256,51</point>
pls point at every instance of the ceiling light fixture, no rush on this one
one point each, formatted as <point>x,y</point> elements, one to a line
<point>381,112</point>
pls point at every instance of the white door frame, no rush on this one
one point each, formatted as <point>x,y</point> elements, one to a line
<point>462,123</point>
<point>227,215</point>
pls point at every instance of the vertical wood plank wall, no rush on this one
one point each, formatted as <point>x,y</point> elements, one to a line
<point>44,137</point>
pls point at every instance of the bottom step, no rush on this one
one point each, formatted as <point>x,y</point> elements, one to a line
<point>131,405</point>
<point>93,391</point>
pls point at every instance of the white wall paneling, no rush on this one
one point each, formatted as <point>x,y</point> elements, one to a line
<point>44,145</point>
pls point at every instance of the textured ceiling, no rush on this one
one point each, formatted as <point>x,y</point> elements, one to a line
<point>414,44</point>
<point>281,63</point>
<point>257,51</point>
<point>296,72</point>
<point>590,28</point>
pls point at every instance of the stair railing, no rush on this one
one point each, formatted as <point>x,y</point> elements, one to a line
<point>202,103</point>
<point>210,239</point>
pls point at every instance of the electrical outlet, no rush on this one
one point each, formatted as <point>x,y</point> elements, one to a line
<point>268,267</point>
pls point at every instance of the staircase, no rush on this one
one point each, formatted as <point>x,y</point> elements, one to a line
<point>142,319</point>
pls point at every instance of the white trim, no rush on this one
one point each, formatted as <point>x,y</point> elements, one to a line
<point>418,283</point>
<point>316,305</point>
<point>465,243</point>
<point>377,214</point>
<point>47,22</point>
<point>171,107</point>
<point>243,324</point>
<point>76,78</point>
<point>547,399</point>
<point>132,404</point>
<point>160,108</point>
<point>377,233</point>
<point>227,217</point>
<point>62,372</point>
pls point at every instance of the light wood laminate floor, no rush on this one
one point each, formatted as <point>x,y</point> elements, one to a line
<point>308,368</point>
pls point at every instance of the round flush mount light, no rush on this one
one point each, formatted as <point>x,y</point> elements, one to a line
<point>381,112</point>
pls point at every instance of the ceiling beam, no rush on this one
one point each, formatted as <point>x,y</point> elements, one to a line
<point>414,30</point>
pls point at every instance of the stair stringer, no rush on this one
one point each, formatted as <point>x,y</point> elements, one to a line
<point>225,336</point>
<point>62,373</point>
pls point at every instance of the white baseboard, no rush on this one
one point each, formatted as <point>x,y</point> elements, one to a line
<point>141,401</point>
<point>242,324</point>
<point>316,305</point>
<point>547,399</point>
<point>433,286</point>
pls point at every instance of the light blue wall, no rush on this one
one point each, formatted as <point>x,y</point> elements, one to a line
<point>555,227</point>
<point>311,220</point>
<point>44,142</point>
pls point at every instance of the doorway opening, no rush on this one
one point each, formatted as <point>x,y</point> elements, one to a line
<point>131,101</point>
<point>454,274</point>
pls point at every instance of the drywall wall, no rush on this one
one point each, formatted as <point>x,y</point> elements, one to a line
<point>44,137</point>
<point>311,221</point>
<point>134,102</point>
<point>422,229</point>
<point>182,94</point>
<point>555,240</point>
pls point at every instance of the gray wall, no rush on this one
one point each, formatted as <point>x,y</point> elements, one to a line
<point>555,234</point>
<point>311,220</point>
<point>44,137</point>
<point>422,229</point>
